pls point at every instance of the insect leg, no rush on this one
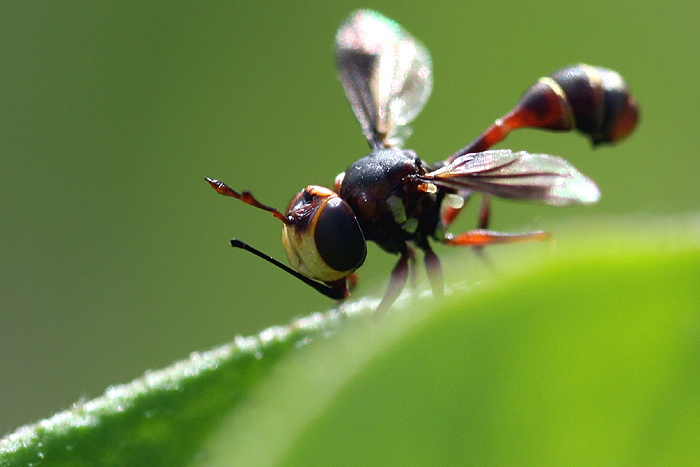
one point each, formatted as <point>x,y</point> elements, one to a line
<point>351,282</point>
<point>434,270</point>
<point>396,284</point>
<point>489,237</point>
<point>484,213</point>
<point>484,218</point>
<point>450,213</point>
<point>413,271</point>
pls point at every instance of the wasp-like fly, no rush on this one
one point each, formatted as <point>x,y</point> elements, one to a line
<point>400,202</point>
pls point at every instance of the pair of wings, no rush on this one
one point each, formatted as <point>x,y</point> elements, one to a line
<point>387,77</point>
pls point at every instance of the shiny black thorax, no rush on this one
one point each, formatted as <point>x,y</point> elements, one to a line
<point>384,194</point>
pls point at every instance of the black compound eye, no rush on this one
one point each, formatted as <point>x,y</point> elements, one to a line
<point>338,236</point>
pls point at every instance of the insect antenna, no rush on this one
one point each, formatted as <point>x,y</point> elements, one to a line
<point>322,288</point>
<point>247,197</point>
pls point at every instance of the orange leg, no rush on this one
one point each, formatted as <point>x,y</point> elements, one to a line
<point>449,214</point>
<point>351,282</point>
<point>489,237</point>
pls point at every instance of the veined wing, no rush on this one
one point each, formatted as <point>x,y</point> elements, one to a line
<point>539,178</point>
<point>386,75</point>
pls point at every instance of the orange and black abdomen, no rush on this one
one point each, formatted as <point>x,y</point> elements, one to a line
<point>594,100</point>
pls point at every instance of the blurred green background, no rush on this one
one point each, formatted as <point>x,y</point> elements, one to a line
<point>114,254</point>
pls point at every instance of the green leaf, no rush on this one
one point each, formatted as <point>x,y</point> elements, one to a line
<point>587,355</point>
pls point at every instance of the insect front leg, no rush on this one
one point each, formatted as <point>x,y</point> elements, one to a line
<point>341,288</point>
<point>351,282</point>
<point>434,271</point>
<point>413,271</point>
<point>397,282</point>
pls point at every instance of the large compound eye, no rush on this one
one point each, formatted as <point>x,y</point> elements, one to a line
<point>339,240</point>
<point>324,241</point>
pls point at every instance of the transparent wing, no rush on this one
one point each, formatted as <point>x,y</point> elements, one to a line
<point>540,178</point>
<point>386,74</point>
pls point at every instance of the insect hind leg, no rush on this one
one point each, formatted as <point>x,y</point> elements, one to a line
<point>482,237</point>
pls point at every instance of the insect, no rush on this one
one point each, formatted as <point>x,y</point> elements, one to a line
<point>395,199</point>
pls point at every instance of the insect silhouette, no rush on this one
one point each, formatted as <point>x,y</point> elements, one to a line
<point>395,199</point>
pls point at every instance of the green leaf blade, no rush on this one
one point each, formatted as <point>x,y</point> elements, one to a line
<point>588,362</point>
<point>588,355</point>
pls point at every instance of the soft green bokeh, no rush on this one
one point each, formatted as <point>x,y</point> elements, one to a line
<point>113,250</point>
